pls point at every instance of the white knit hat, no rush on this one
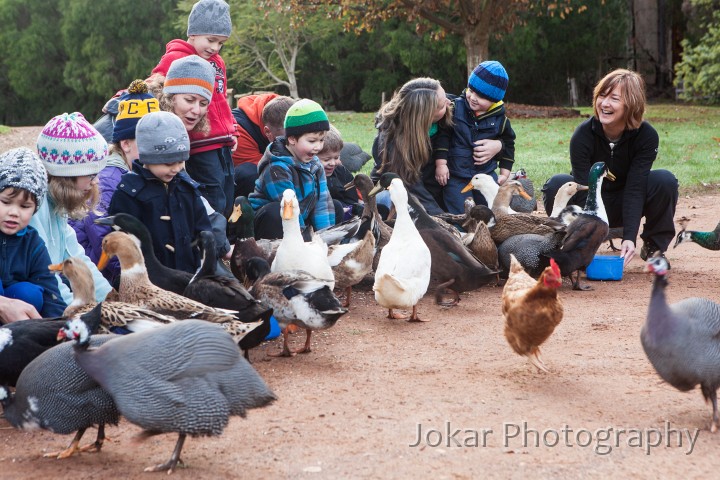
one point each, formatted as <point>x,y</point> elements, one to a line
<point>70,146</point>
<point>21,168</point>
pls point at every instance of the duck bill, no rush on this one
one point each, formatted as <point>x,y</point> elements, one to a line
<point>467,188</point>
<point>103,261</point>
<point>609,175</point>
<point>236,214</point>
<point>375,190</point>
<point>56,267</point>
<point>105,221</point>
<point>287,212</point>
<point>524,194</point>
<point>580,188</point>
<point>349,186</point>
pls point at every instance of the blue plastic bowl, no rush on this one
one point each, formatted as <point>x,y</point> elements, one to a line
<point>605,267</point>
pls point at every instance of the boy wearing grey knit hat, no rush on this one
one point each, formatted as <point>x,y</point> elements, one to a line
<point>200,101</point>
<point>27,288</point>
<point>162,195</point>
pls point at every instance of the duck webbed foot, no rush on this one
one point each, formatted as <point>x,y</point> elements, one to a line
<point>285,352</point>
<point>444,288</point>
<point>576,285</point>
<point>414,317</point>
<point>306,348</point>
<point>395,316</point>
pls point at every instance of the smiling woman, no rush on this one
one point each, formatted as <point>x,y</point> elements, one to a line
<point>617,135</point>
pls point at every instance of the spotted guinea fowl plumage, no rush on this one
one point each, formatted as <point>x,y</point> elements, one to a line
<point>187,378</point>
<point>54,393</point>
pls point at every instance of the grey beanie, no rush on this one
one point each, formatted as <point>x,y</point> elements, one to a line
<point>22,168</point>
<point>191,74</point>
<point>162,138</point>
<point>210,17</point>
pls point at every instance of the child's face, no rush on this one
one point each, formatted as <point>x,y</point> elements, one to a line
<point>85,183</point>
<point>190,107</point>
<point>207,45</point>
<point>306,146</point>
<point>476,102</point>
<point>165,172</point>
<point>16,210</point>
<point>442,104</point>
<point>329,160</point>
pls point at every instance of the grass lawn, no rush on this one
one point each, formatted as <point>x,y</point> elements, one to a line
<point>689,142</point>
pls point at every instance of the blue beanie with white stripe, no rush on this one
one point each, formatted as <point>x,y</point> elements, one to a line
<point>489,80</point>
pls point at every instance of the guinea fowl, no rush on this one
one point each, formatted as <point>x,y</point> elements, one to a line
<point>22,341</point>
<point>530,250</point>
<point>54,393</point>
<point>160,275</point>
<point>404,269</point>
<point>708,240</point>
<point>587,232</point>
<point>186,378</point>
<point>116,317</point>
<point>298,300</point>
<point>135,288</point>
<point>682,340</point>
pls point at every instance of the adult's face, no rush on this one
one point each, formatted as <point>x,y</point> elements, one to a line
<point>191,108</point>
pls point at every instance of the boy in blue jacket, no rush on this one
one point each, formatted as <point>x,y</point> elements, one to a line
<point>482,136</point>
<point>161,195</point>
<point>27,288</point>
<point>291,162</point>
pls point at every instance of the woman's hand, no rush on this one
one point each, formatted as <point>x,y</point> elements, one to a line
<point>485,150</point>
<point>627,251</point>
<point>12,309</point>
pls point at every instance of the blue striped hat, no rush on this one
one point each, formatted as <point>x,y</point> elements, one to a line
<point>489,80</point>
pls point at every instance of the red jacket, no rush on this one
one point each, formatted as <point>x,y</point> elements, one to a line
<point>247,148</point>
<point>222,123</point>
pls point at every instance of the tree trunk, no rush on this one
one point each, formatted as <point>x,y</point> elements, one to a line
<point>476,39</point>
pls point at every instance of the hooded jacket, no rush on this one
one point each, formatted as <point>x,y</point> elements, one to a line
<point>251,141</point>
<point>278,171</point>
<point>222,123</point>
<point>24,258</point>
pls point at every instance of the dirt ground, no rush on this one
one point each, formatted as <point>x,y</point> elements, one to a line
<point>354,406</point>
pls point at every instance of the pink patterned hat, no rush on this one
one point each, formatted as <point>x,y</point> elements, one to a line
<point>69,146</point>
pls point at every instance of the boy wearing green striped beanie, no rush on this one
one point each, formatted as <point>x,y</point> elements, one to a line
<point>291,162</point>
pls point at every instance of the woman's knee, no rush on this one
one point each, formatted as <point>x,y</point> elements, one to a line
<point>663,182</point>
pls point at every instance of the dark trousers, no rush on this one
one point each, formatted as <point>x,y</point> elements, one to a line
<point>245,176</point>
<point>213,170</point>
<point>25,291</point>
<point>659,209</point>
<point>455,200</point>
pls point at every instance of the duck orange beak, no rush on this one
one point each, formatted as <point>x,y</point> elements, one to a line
<point>467,188</point>
<point>56,267</point>
<point>287,212</point>
<point>104,259</point>
<point>236,214</point>
<point>524,194</point>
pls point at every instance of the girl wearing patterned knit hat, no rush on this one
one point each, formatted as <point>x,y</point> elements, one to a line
<point>482,136</point>
<point>209,27</point>
<point>73,153</point>
<point>135,103</point>
<point>162,195</point>
<point>291,162</point>
<point>27,288</point>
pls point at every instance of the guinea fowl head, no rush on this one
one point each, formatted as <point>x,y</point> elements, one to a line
<point>5,396</point>
<point>80,327</point>
<point>80,277</point>
<point>657,265</point>
<point>124,246</point>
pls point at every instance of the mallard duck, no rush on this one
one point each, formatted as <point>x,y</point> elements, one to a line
<point>519,203</point>
<point>160,275</point>
<point>298,300</point>
<point>587,232</point>
<point>708,240</point>
<point>135,287</point>
<point>508,225</point>
<point>294,253</point>
<point>241,220</point>
<point>403,272</point>
<point>117,317</point>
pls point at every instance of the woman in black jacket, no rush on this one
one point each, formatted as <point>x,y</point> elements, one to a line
<point>617,135</point>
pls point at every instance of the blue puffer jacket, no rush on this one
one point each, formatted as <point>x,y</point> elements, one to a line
<point>468,129</point>
<point>278,171</point>
<point>174,213</point>
<point>24,258</point>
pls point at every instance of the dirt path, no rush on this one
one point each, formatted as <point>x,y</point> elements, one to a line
<point>353,407</point>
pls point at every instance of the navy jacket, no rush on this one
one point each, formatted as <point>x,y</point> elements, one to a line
<point>491,125</point>
<point>24,258</point>
<point>174,213</point>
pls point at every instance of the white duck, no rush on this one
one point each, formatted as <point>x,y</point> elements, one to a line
<point>294,253</point>
<point>486,185</point>
<point>563,196</point>
<point>403,272</point>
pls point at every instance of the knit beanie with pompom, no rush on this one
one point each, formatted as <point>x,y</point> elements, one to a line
<point>69,146</point>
